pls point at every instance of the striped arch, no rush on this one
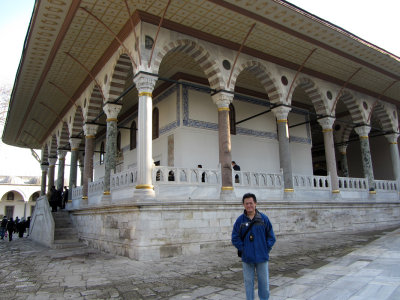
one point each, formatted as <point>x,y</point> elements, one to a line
<point>52,149</point>
<point>95,104</point>
<point>119,77</point>
<point>63,136</point>
<point>353,107</point>
<point>45,154</point>
<point>312,90</point>
<point>263,75</point>
<point>199,54</point>
<point>346,133</point>
<point>379,111</point>
<point>77,123</point>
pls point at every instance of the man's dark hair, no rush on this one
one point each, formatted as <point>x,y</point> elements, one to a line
<point>249,195</point>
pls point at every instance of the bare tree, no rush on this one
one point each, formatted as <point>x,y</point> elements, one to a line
<point>5,92</point>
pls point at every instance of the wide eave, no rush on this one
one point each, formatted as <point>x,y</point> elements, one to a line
<point>48,82</point>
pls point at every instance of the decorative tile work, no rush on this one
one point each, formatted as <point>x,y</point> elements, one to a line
<point>239,130</point>
<point>300,140</point>
<point>266,134</point>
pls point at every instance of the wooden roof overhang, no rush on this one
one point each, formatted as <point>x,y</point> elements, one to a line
<point>284,34</point>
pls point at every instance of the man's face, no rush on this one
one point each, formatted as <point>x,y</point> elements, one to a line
<point>249,205</point>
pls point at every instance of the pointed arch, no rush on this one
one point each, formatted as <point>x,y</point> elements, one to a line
<point>45,154</point>
<point>353,107</point>
<point>265,77</point>
<point>53,146</point>
<point>63,136</point>
<point>346,133</point>
<point>95,104</point>
<point>314,93</point>
<point>207,63</point>
<point>122,70</point>
<point>77,122</point>
<point>380,112</point>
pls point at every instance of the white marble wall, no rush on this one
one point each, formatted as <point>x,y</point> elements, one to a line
<point>149,231</point>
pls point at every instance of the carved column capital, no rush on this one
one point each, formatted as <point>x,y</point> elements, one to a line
<point>74,142</point>
<point>281,112</point>
<point>112,110</point>
<point>61,154</point>
<point>222,100</point>
<point>145,84</point>
<point>52,161</point>
<point>392,138</point>
<point>44,167</point>
<point>363,131</point>
<point>326,123</point>
<point>90,130</point>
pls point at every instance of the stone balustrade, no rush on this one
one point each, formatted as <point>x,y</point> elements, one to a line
<point>124,179</point>
<point>355,184</point>
<point>96,187</point>
<point>257,179</point>
<point>193,183</point>
<point>311,182</point>
<point>386,185</point>
<point>173,175</point>
<point>77,193</point>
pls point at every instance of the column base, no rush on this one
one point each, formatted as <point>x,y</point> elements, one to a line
<point>289,194</point>
<point>85,201</point>
<point>227,193</point>
<point>144,192</point>
<point>106,198</point>
<point>336,195</point>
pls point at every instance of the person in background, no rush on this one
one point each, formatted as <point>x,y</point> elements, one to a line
<point>3,227</point>
<point>10,228</point>
<point>21,227</point>
<point>236,167</point>
<point>28,225</point>
<point>254,237</point>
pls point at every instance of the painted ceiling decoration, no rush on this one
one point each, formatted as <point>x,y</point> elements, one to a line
<point>68,42</point>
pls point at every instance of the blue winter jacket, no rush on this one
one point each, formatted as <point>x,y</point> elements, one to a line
<point>255,251</point>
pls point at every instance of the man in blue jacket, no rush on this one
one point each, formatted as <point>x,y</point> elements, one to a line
<point>254,237</point>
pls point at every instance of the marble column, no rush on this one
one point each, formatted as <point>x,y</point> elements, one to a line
<point>145,85</point>
<point>343,160</point>
<point>112,110</point>
<point>363,132</point>
<point>281,113</point>
<point>222,100</point>
<point>74,142</point>
<point>44,166</point>
<point>61,167</point>
<point>326,124</point>
<point>50,174</point>
<point>90,134</point>
<point>394,153</point>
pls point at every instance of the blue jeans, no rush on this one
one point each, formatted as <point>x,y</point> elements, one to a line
<point>262,277</point>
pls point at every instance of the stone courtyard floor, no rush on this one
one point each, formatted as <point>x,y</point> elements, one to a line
<point>362,265</point>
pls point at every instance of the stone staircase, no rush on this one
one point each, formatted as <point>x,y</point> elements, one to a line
<point>65,234</point>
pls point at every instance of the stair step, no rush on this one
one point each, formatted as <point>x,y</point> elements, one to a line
<point>66,241</point>
<point>67,245</point>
